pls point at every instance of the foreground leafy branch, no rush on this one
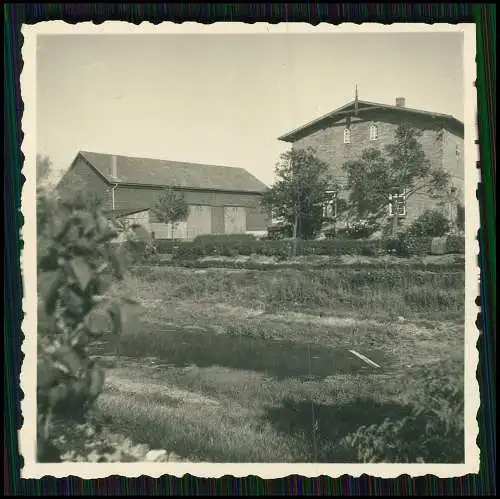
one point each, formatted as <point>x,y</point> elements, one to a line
<point>77,267</point>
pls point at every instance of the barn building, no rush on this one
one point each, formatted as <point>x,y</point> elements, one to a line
<point>343,134</point>
<point>221,200</point>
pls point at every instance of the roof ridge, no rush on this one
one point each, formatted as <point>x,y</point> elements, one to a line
<point>178,161</point>
<point>136,170</point>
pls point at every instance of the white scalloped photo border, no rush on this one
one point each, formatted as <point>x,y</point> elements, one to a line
<point>27,434</point>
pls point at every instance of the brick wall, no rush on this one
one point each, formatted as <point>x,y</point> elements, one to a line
<point>437,143</point>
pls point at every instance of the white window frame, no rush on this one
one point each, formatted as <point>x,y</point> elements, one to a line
<point>373,131</point>
<point>330,204</point>
<point>401,202</point>
<point>274,214</point>
<point>347,135</point>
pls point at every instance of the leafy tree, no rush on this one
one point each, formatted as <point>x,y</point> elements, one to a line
<point>170,208</point>
<point>44,198</point>
<point>401,169</point>
<point>299,191</point>
<point>43,171</point>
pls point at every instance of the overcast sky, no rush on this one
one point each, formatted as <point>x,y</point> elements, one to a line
<point>224,99</point>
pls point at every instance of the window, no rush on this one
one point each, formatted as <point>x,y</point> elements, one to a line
<point>275,216</point>
<point>330,205</point>
<point>457,152</point>
<point>373,132</point>
<point>397,203</point>
<point>347,135</point>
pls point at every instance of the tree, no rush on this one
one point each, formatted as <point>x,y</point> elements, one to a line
<point>170,208</point>
<point>45,202</point>
<point>380,178</point>
<point>299,191</point>
<point>43,171</point>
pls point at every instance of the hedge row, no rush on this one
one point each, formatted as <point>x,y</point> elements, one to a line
<point>283,249</point>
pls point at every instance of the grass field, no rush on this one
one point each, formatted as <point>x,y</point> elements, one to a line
<point>255,366</point>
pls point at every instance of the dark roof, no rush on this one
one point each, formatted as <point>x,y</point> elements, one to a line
<point>362,107</point>
<point>163,173</point>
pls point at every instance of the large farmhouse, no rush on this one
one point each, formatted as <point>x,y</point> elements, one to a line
<point>221,199</point>
<point>344,133</point>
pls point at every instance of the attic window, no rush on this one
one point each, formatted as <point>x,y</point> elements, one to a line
<point>347,135</point>
<point>373,132</point>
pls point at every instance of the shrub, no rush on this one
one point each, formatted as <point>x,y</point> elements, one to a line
<point>330,233</point>
<point>359,230</point>
<point>280,249</point>
<point>406,244</point>
<point>279,231</point>
<point>77,267</point>
<point>431,223</point>
<point>455,244</point>
<point>222,238</point>
<point>167,246</point>
<point>432,430</point>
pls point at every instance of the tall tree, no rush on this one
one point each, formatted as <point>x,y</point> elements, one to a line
<point>392,176</point>
<point>299,190</point>
<point>170,208</point>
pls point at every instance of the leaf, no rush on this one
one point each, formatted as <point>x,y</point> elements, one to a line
<point>53,281</point>
<point>60,229</point>
<point>98,321</point>
<point>74,303</point>
<point>49,261</point>
<point>89,225</point>
<point>104,282</point>
<point>82,272</point>
<point>70,358</point>
<point>117,259</point>
<point>107,236</point>
<point>102,223</point>
<point>83,246</point>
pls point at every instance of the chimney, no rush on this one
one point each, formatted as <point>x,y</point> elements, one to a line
<point>114,172</point>
<point>400,102</point>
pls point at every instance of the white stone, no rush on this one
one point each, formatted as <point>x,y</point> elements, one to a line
<point>154,455</point>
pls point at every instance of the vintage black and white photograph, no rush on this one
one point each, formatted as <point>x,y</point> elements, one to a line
<point>249,244</point>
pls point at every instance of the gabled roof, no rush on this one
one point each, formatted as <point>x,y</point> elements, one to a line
<point>364,106</point>
<point>162,173</point>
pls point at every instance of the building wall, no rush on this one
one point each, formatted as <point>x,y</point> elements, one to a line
<point>215,203</point>
<point>81,177</point>
<point>455,166</point>
<point>328,141</point>
<point>438,144</point>
<point>208,210</point>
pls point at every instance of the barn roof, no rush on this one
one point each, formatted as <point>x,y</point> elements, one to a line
<point>362,107</point>
<point>164,173</point>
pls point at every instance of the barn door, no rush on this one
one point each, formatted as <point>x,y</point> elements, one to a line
<point>235,220</point>
<point>199,221</point>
